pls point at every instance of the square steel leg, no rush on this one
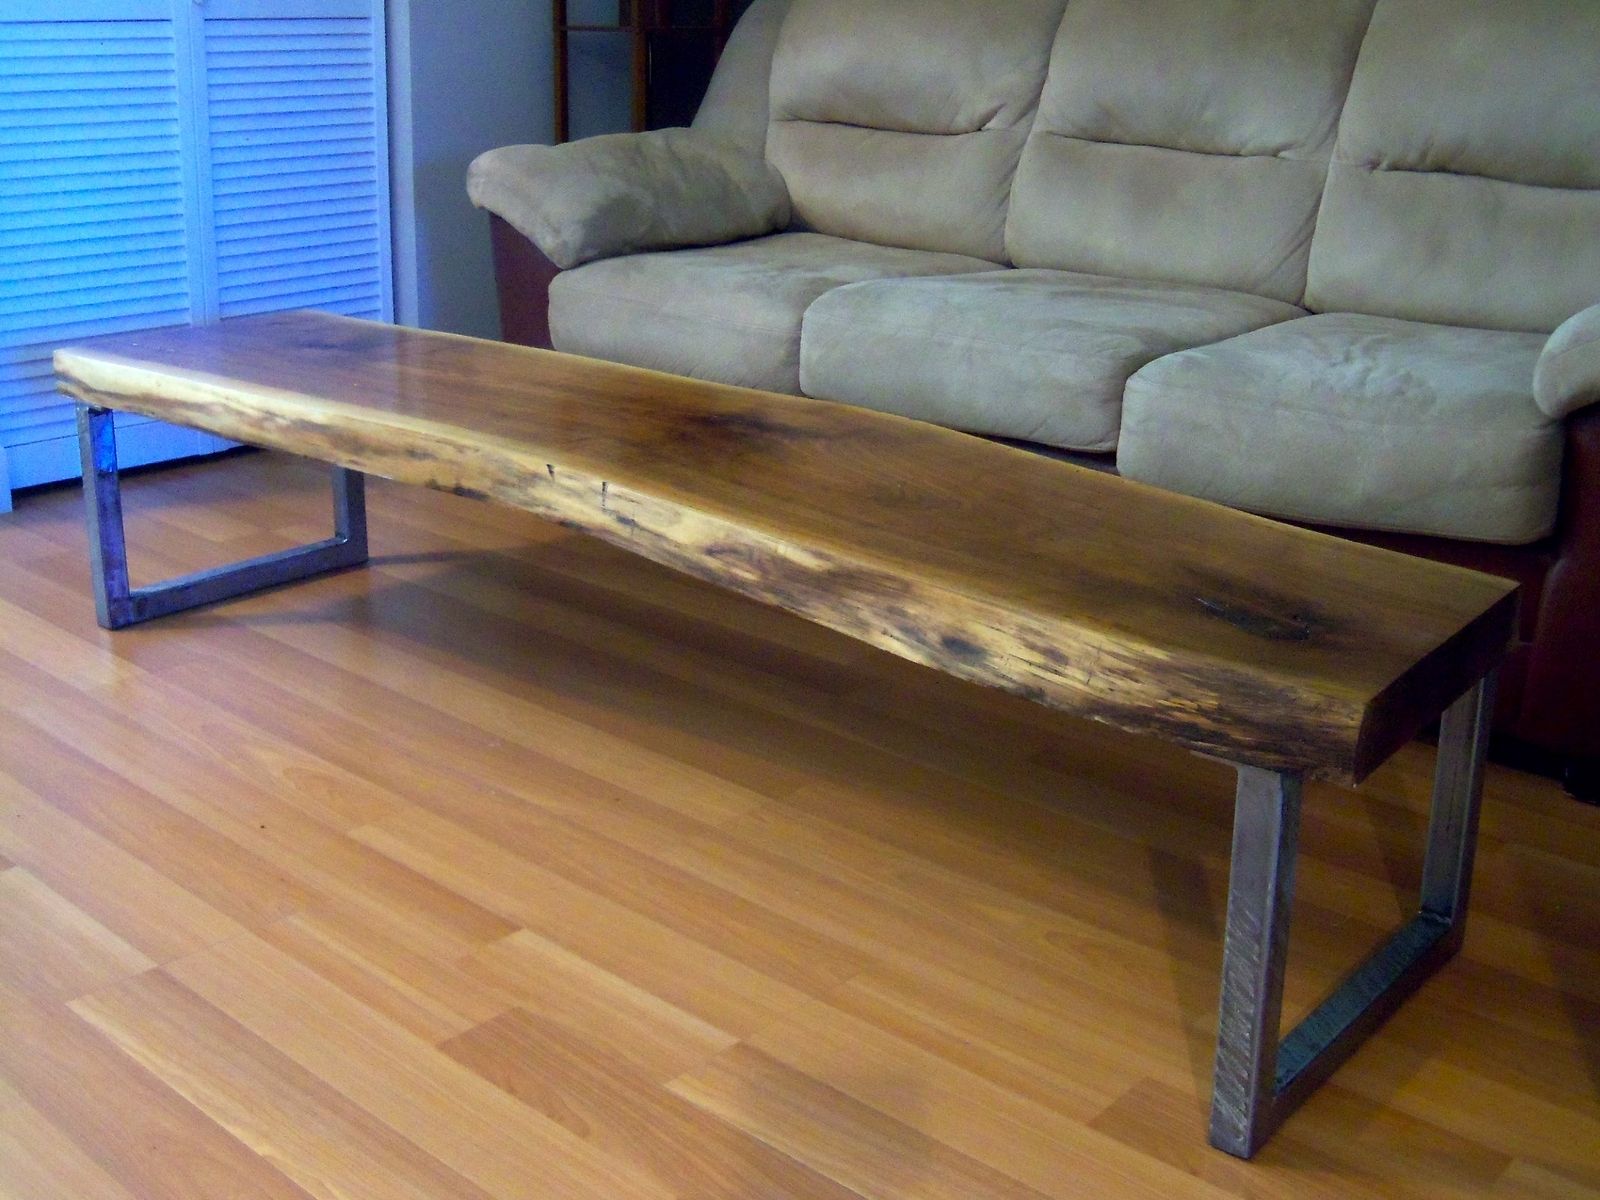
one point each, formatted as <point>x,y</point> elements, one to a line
<point>118,605</point>
<point>1261,1077</point>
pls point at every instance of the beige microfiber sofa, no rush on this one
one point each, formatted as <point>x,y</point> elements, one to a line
<point>1333,261</point>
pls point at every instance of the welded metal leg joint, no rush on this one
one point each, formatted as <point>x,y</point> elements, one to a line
<point>118,605</point>
<point>1262,1077</point>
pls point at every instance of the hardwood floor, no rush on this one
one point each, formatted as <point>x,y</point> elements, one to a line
<point>513,866</point>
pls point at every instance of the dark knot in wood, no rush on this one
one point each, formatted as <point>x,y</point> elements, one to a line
<point>1259,619</point>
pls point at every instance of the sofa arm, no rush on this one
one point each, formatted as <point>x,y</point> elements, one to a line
<point>626,192</point>
<point>1561,705</point>
<point>1567,376</point>
<point>522,279</point>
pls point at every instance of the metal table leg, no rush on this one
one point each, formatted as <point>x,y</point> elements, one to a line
<point>118,605</point>
<point>1261,1077</point>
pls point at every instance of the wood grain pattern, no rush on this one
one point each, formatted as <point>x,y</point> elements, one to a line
<point>38,1159</point>
<point>913,938</point>
<point>310,1132</point>
<point>1225,633</point>
<point>67,951</point>
<point>574,1079</point>
<point>144,1136</point>
<point>450,1112</point>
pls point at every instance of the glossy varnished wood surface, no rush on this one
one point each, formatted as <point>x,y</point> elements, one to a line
<point>516,867</point>
<point>1152,612</point>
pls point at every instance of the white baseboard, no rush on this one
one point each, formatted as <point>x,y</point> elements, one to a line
<point>139,443</point>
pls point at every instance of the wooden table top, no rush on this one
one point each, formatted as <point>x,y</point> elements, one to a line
<point>1227,633</point>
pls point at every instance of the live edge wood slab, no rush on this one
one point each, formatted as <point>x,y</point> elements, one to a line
<point>1229,634</point>
<point>1286,652</point>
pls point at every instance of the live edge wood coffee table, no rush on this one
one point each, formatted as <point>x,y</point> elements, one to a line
<point>1288,653</point>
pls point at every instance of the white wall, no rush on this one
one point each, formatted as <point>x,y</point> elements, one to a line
<point>466,76</point>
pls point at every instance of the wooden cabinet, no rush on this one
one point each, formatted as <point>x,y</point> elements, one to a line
<point>673,44</point>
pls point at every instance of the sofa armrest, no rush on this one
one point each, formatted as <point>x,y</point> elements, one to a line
<point>1561,705</point>
<point>622,193</point>
<point>1567,376</point>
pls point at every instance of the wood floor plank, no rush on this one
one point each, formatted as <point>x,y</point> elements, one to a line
<point>754,933</point>
<point>224,874</point>
<point>1491,1048</point>
<point>431,996</point>
<point>196,514</point>
<point>1056,1152</point>
<point>1531,1180</point>
<point>146,1137</point>
<point>1355,1149</point>
<point>323,790</point>
<point>874,1155</point>
<point>286,851</point>
<point>1504,1117</point>
<point>1154,895</point>
<point>52,950</point>
<point>1063,1049</point>
<point>46,646</point>
<point>471,1126</point>
<point>602,1099</point>
<point>491,701</point>
<point>25,544</point>
<point>1545,1012</point>
<point>119,889</point>
<point>285,1114</point>
<point>718,988</point>
<point>566,992</point>
<point>40,1162</point>
<point>467,649</point>
<point>897,907</point>
<point>49,613</point>
<point>400,743</point>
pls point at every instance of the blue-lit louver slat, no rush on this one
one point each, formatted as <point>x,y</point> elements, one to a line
<point>293,123</point>
<point>92,222</point>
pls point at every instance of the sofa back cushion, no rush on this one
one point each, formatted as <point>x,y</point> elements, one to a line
<point>1464,182</point>
<point>1186,141</point>
<point>735,103</point>
<point>901,121</point>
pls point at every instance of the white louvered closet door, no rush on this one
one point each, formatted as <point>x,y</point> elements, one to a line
<point>168,161</point>
<point>298,157</point>
<point>94,232</point>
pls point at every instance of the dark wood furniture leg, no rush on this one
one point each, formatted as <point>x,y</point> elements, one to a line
<point>559,49</point>
<point>640,63</point>
<point>1261,1077</point>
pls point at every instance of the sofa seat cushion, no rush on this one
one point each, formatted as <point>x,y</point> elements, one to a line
<point>1352,420</point>
<point>1038,355</point>
<point>730,314</point>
